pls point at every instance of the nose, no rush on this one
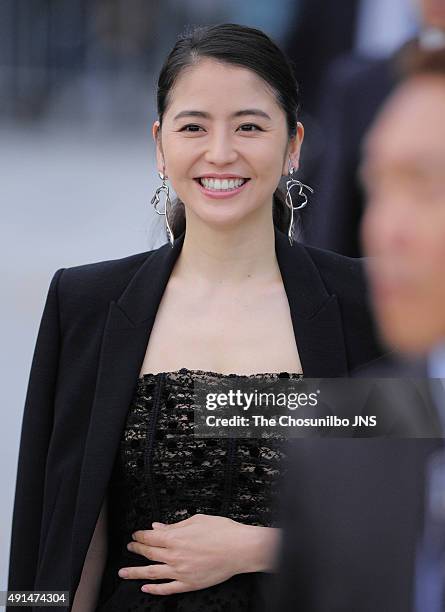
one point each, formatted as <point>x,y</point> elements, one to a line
<point>221,150</point>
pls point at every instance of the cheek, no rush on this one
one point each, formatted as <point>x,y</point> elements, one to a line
<point>431,258</point>
<point>373,236</point>
<point>256,155</point>
<point>415,315</point>
<point>419,312</point>
<point>410,325</point>
<point>181,152</point>
<point>265,156</point>
<point>429,244</point>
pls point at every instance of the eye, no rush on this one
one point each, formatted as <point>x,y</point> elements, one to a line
<point>246,127</point>
<point>250,125</point>
<point>190,125</point>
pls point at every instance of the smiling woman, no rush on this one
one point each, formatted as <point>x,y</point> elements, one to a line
<point>250,111</point>
<point>152,517</point>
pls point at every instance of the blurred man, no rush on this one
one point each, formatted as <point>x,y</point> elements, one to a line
<point>404,224</point>
<point>352,94</point>
<point>404,231</point>
<point>364,520</point>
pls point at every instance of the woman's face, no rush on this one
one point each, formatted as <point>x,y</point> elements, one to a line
<point>224,121</point>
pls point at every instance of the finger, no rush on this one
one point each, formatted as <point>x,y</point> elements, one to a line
<point>182,523</point>
<point>167,588</point>
<point>154,553</point>
<point>154,572</point>
<point>151,537</point>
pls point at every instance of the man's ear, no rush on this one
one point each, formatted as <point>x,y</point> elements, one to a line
<point>156,131</point>
<point>293,150</point>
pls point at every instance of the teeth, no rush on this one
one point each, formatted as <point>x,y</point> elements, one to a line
<point>221,185</point>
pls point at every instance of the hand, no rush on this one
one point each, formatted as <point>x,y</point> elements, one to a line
<point>196,553</point>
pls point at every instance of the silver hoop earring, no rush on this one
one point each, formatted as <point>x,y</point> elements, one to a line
<point>289,184</point>
<point>155,201</point>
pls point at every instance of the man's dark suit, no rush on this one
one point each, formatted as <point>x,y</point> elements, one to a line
<point>352,512</point>
<point>323,31</point>
<point>90,348</point>
<point>353,93</point>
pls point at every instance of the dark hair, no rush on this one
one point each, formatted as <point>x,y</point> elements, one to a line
<point>242,46</point>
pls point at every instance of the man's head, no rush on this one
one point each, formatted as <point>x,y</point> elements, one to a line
<point>403,231</point>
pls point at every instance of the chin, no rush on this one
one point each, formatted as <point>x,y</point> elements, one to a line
<point>222,217</point>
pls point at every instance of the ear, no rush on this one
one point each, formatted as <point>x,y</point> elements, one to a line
<point>160,162</point>
<point>293,150</point>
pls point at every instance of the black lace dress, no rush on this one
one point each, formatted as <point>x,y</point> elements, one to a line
<point>164,473</point>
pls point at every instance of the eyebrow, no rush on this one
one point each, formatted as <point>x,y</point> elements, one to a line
<point>241,113</point>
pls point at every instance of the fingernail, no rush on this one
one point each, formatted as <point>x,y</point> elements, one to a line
<point>123,573</point>
<point>158,524</point>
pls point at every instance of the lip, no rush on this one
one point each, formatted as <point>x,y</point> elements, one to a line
<point>221,176</point>
<point>218,195</point>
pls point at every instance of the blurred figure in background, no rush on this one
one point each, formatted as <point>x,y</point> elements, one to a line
<point>323,30</point>
<point>404,231</point>
<point>80,57</point>
<point>320,32</point>
<point>381,544</point>
<point>354,90</point>
<point>403,174</point>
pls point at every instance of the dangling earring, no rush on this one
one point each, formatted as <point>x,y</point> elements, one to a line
<point>289,184</point>
<point>155,201</point>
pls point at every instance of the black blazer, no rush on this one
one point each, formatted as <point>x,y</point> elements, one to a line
<point>90,348</point>
<point>351,525</point>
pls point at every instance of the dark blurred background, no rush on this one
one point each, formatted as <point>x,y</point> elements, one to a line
<point>80,59</point>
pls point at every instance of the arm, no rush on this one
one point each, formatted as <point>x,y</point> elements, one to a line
<point>87,594</point>
<point>201,551</point>
<point>36,430</point>
<point>259,549</point>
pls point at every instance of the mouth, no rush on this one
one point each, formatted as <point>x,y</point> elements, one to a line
<point>221,188</point>
<point>221,184</point>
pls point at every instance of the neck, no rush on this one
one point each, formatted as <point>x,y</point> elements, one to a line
<point>225,255</point>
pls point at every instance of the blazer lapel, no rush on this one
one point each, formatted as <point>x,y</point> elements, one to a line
<point>317,328</point>
<point>315,313</point>
<point>124,342</point>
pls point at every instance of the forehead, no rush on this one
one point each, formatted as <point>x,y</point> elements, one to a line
<point>411,125</point>
<point>219,85</point>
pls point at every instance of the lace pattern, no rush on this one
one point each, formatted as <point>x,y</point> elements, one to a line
<point>164,473</point>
